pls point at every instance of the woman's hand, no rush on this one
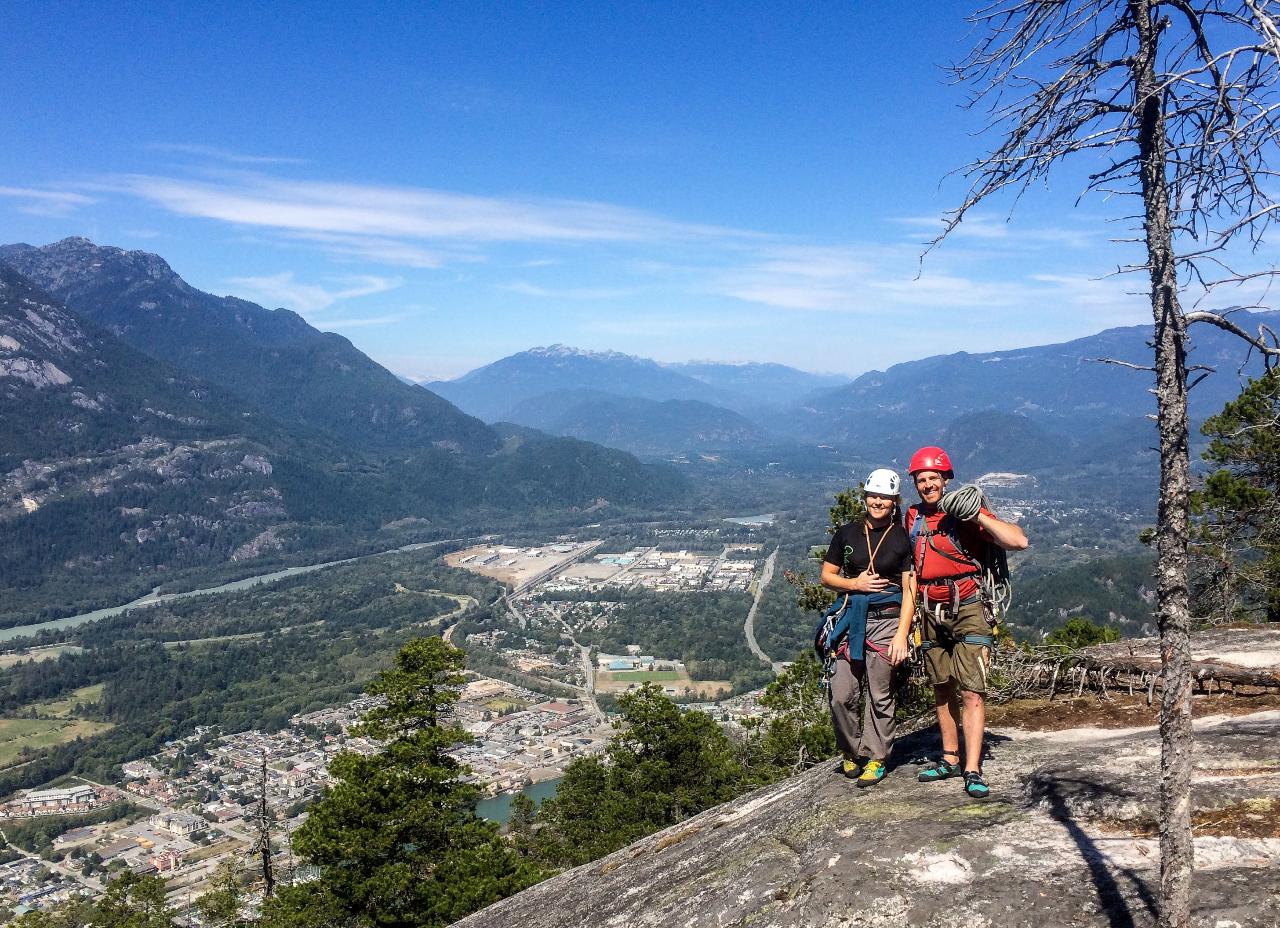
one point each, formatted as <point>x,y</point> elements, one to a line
<point>898,649</point>
<point>867,582</point>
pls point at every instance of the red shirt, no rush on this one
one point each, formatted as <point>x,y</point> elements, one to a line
<point>931,561</point>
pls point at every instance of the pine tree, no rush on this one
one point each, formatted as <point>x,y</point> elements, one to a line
<point>397,838</point>
<point>797,732</point>
<point>814,597</point>
<point>663,766</point>
<point>1238,520</point>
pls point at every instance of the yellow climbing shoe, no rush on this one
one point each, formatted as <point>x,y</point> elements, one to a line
<point>851,767</point>
<point>872,773</point>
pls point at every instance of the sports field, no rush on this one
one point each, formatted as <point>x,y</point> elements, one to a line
<point>678,680</point>
<point>647,676</point>
<point>504,704</point>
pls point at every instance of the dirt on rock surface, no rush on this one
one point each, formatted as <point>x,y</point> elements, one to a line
<point>1064,840</point>
<point>1114,711</point>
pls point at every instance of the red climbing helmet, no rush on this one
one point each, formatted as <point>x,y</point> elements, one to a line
<point>931,457</point>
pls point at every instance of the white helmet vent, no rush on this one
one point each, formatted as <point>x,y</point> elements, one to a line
<point>882,482</point>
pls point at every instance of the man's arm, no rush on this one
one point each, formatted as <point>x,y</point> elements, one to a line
<point>1007,535</point>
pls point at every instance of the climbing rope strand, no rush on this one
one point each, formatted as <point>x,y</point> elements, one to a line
<point>964,503</point>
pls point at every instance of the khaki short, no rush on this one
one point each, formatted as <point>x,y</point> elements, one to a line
<point>950,659</point>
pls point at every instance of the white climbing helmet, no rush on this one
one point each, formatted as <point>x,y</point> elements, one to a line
<point>882,482</point>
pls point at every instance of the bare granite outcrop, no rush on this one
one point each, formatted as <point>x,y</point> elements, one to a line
<point>1065,840</point>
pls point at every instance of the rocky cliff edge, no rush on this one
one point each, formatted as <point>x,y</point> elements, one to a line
<point>1067,839</point>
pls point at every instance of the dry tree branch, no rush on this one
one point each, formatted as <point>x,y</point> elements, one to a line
<point>1128,364</point>
<point>1258,342</point>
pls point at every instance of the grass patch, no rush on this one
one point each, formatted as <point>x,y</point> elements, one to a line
<point>64,707</point>
<point>34,734</point>
<point>14,658</point>
<point>55,723</point>
<point>217,849</point>
<point>501,704</point>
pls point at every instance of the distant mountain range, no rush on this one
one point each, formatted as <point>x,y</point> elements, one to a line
<point>1050,403</point>
<point>633,403</point>
<point>496,391</point>
<point>1027,409</point>
<point>641,426</point>
<point>758,385</point>
<point>148,425</point>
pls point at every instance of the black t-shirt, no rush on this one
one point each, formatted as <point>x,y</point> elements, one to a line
<point>848,550</point>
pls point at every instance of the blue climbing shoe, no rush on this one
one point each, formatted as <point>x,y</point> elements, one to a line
<point>940,769</point>
<point>975,785</point>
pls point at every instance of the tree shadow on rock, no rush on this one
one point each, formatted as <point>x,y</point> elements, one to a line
<point>1115,904</point>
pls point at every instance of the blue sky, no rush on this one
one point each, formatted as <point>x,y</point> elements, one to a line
<point>448,183</point>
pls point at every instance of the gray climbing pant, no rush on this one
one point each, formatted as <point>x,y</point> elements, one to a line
<point>868,733</point>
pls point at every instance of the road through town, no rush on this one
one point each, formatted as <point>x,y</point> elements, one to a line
<point>749,627</point>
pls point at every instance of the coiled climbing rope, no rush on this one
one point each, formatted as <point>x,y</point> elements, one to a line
<point>964,504</point>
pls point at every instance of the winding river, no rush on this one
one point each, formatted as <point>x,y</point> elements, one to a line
<point>155,598</point>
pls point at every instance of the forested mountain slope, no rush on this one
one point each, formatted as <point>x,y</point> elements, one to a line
<point>69,388</point>
<point>119,471</point>
<point>273,359</point>
<point>111,461</point>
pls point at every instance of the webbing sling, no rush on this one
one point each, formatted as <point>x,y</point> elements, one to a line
<point>982,641</point>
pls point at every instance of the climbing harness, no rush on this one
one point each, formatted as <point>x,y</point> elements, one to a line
<point>989,568</point>
<point>846,621</point>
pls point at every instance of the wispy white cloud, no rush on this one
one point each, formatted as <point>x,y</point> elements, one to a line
<point>284,290</point>
<point>800,277</point>
<point>213,153</point>
<point>567,293</point>
<point>40,202</point>
<point>871,279</point>
<point>991,230</point>
<point>358,323</point>
<point>389,251</point>
<point>397,213</point>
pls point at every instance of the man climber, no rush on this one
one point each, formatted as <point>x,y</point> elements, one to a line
<point>949,532</point>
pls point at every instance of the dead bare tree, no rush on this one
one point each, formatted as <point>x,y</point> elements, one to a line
<point>263,843</point>
<point>1176,103</point>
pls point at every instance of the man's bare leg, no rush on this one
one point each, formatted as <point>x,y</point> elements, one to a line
<point>974,716</point>
<point>945,704</point>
